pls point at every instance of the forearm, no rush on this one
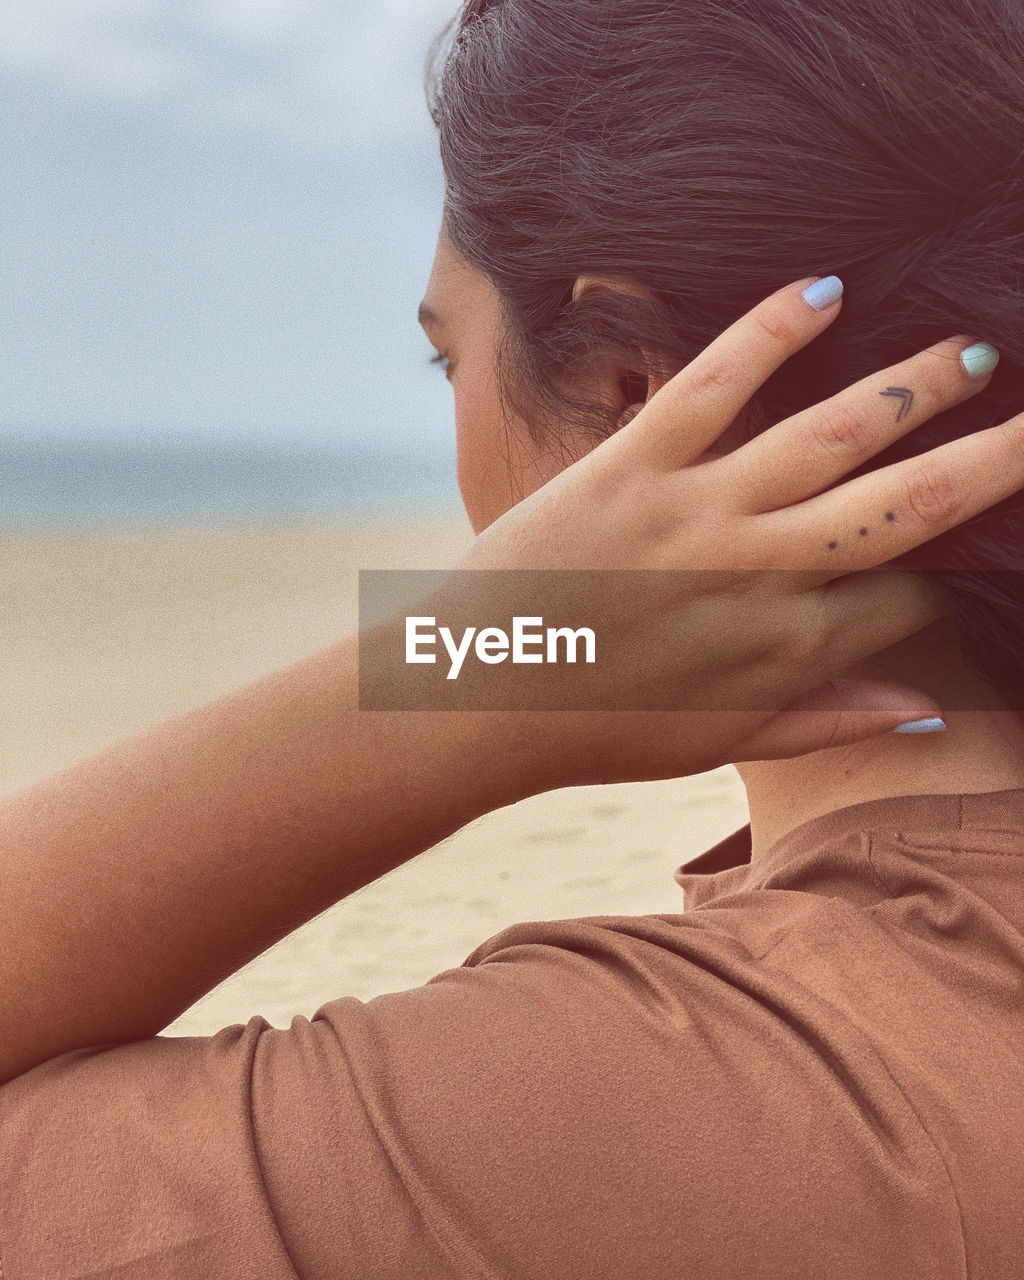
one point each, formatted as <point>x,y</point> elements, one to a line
<point>136,881</point>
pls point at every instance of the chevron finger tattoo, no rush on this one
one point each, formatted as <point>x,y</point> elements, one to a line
<point>905,396</point>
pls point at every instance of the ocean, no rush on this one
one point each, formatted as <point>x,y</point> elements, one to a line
<point>81,485</point>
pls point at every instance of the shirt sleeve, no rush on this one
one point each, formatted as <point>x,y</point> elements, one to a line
<point>560,1105</point>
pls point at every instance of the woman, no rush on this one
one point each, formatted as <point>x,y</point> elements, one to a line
<point>788,1078</point>
<point>698,153</point>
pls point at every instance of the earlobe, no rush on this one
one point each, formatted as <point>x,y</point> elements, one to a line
<point>634,388</point>
<point>627,416</point>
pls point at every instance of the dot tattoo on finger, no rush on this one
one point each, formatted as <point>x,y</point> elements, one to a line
<point>889,515</point>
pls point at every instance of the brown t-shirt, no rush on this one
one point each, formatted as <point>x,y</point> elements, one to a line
<point>816,1070</point>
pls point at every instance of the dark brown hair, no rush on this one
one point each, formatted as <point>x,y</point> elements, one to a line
<point>716,150</point>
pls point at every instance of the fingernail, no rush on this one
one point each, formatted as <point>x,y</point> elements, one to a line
<point>932,725</point>
<point>823,293</point>
<point>980,359</point>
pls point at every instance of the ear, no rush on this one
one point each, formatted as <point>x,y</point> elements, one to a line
<point>645,386</point>
<point>628,389</point>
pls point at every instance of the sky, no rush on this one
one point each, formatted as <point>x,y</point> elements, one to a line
<point>218,218</point>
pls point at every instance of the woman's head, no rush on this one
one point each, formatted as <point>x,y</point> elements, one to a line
<point>700,154</point>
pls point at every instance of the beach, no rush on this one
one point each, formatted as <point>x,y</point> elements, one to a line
<point>108,633</point>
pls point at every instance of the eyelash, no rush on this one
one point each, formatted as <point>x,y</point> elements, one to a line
<point>442,360</point>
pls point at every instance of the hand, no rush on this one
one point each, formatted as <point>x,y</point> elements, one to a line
<point>137,880</point>
<point>657,496</point>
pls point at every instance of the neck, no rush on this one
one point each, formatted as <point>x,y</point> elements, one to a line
<point>981,750</point>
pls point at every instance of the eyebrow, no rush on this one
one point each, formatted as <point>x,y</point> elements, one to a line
<point>428,316</point>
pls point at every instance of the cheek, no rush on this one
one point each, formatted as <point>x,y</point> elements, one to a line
<point>485,482</point>
<point>495,472</point>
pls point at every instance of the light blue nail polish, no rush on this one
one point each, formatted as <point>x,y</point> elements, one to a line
<point>823,293</point>
<point>932,725</point>
<point>980,359</point>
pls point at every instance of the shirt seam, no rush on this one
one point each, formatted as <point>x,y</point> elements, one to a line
<point>481,1270</point>
<point>253,1049</point>
<point>870,848</point>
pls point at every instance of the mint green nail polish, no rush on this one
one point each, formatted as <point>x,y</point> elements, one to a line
<point>980,359</point>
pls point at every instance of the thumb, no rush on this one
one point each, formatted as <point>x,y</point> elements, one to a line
<point>833,714</point>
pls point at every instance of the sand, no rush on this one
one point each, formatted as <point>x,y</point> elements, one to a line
<point>107,634</point>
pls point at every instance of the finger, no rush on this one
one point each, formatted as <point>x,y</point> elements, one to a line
<point>855,617</point>
<point>694,408</point>
<point>835,714</point>
<point>880,516</point>
<point>800,457</point>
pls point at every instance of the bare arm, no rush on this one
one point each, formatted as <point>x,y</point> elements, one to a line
<point>135,882</point>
